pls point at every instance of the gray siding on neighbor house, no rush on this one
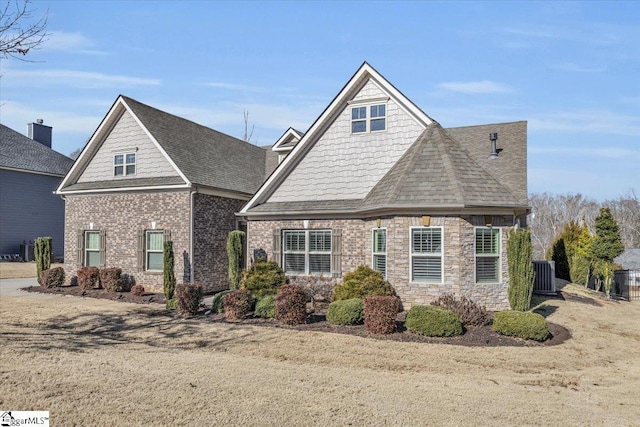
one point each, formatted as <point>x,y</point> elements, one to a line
<point>29,209</point>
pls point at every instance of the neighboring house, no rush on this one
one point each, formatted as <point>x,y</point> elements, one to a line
<point>376,181</point>
<point>629,259</point>
<point>146,177</point>
<point>30,172</point>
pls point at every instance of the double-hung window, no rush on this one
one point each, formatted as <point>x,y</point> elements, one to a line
<point>380,250</point>
<point>154,248</point>
<point>306,252</point>
<point>426,254</point>
<point>124,164</point>
<point>487,255</point>
<point>92,249</point>
<point>370,118</point>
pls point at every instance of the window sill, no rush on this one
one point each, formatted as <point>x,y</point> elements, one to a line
<point>154,272</point>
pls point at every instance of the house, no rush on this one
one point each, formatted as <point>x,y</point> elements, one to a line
<point>376,181</point>
<point>147,176</point>
<point>30,171</point>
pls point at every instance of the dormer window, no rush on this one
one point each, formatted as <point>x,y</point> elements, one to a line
<point>372,118</point>
<point>124,164</point>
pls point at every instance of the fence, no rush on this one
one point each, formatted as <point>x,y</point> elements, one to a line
<point>544,282</point>
<point>627,284</point>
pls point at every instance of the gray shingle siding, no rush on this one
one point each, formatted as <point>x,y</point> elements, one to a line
<point>29,209</point>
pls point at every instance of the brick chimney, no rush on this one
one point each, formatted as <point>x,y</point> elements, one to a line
<point>39,132</point>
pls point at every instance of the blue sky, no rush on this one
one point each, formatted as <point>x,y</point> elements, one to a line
<point>572,70</point>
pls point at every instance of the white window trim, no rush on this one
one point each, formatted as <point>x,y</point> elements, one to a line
<point>368,104</point>
<point>307,252</point>
<point>87,250</point>
<point>373,249</point>
<point>147,251</point>
<point>411,255</point>
<point>125,164</point>
<point>475,256</point>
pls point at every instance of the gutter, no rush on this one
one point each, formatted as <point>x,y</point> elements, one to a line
<point>191,237</point>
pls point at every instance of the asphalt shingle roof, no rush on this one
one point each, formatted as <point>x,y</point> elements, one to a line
<point>19,152</point>
<point>437,172</point>
<point>206,157</point>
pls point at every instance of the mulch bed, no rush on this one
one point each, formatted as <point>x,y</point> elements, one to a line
<point>474,336</point>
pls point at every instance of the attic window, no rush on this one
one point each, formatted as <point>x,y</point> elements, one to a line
<point>372,118</point>
<point>124,164</point>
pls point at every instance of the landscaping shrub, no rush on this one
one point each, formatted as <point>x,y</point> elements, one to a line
<point>235,253</point>
<point>521,273</point>
<point>52,277</point>
<point>346,312</point>
<point>137,290</point>
<point>237,304</point>
<point>217,305</point>
<point>266,307</point>
<point>291,305</point>
<point>168,274</point>
<point>263,278</point>
<point>380,314</point>
<point>469,313</point>
<point>433,321</point>
<point>189,296</point>
<point>521,324</point>
<point>88,277</point>
<point>172,304</point>
<point>42,255</point>
<point>362,282</point>
<point>111,279</point>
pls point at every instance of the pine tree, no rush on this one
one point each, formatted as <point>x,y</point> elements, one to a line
<point>42,254</point>
<point>582,260</point>
<point>607,245</point>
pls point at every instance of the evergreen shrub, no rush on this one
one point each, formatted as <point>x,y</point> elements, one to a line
<point>346,312</point>
<point>52,277</point>
<point>217,305</point>
<point>380,314</point>
<point>263,278</point>
<point>433,321</point>
<point>237,304</point>
<point>521,274</point>
<point>266,307</point>
<point>235,253</point>
<point>111,279</point>
<point>521,324</point>
<point>291,305</point>
<point>189,296</point>
<point>362,282</point>
<point>137,290</point>
<point>88,277</point>
<point>42,254</point>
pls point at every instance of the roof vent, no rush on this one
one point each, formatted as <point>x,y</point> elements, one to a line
<point>494,148</point>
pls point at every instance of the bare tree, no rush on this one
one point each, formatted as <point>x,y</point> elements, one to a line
<point>20,31</point>
<point>75,153</point>
<point>247,134</point>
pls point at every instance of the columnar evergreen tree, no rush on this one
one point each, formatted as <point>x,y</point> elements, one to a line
<point>581,265</point>
<point>521,274</point>
<point>235,253</point>
<point>607,245</point>
<point>42,254</point>
<point>169,275</point>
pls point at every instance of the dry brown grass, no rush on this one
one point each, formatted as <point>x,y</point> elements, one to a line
<point>96,362</point>
<point>19,270</point>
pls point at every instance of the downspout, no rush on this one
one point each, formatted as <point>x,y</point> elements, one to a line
<point>191,239</point>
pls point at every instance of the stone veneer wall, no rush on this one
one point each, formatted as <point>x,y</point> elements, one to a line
<point>458,260</point>
<point>213,221</point>
<point>121,216</point>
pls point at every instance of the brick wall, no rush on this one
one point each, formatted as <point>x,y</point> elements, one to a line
<point>213,221</point>
<point>121,216</point>
<point>458,259</point>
